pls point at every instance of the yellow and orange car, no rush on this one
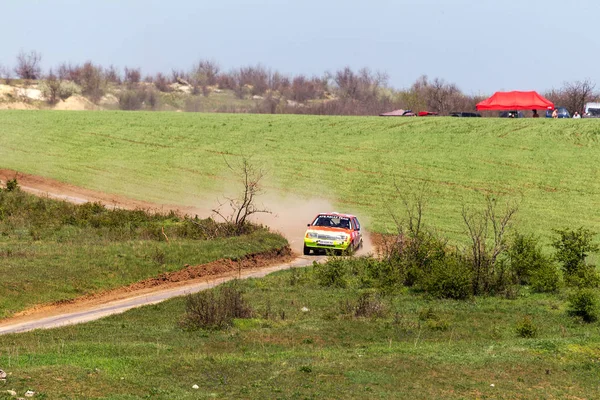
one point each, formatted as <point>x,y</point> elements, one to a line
<point>340,233</point>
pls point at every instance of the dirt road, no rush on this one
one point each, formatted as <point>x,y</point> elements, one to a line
<point>91,310</point>
<point>289,219</point>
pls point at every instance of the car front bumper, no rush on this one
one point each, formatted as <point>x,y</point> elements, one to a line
<point>322,244</point>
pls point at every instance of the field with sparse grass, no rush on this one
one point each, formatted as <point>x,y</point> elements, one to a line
<point>412,348</point>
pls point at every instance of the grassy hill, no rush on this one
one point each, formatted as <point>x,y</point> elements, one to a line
<point>550,167</point>
<point>306,340</point>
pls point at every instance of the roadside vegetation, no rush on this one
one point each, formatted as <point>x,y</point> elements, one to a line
<point>205,87</point>
<point>294,334</point>
<point>55,251</point>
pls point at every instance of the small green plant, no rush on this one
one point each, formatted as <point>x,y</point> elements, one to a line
<point>526,328</point>
<point>332,273</point>
<point>428,313</point>
<point>585,305</point>
<point>367,305</point>
<point>12,185</point>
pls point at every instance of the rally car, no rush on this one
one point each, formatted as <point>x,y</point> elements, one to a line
<point>333,231</point>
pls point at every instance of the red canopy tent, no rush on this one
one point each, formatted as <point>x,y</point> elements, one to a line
<point>515,101</point>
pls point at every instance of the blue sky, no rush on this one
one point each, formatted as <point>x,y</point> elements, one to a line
<point>482,46</point>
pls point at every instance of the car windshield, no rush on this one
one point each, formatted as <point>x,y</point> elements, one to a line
<point>333,221</point>
<point>594,111</point>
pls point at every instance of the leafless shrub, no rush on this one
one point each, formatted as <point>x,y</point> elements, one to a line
<point>68,72</point>
<point>138,98</point>
<point>132,76</point>
<point>91,81</point>
<point>436,95</point>
<point>113,75</point>
<point>486,230</point>
<point>303,89</point>
<point>215,309</point>
<point>239,209</point>
<point>29,65</point>
<point>51,88</point>
<point>162,83</point>
<point>5,74</point>
<point>226,81</point>
<point>577,93</point>
<point>361,86</point>
<point>205,73</point>
<point>367,305</point>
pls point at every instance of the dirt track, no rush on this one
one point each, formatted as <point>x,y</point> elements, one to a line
<point>150,291</point>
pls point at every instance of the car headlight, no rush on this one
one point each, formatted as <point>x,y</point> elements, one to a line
<point>312,235</point>
<point>343,237</point>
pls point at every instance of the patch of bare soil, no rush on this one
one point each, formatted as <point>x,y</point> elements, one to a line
<point>75,103</point>
<point>17,105</point>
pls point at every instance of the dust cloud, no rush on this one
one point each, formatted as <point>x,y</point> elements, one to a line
<point>290,215</point>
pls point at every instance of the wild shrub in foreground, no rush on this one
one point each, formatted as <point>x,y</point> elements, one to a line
<point>526,328</point>
<point>584,304</point>
<point>450,278</point>
<point>545,279</point>
<point>572,248</point>
<point>525,257</point>
<point>215,309</point>
<point>367,305</point>
<point>332,273</point>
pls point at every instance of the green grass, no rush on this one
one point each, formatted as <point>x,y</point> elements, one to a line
<point>550,167</point>
<point>51,250</point>
<point>316,354</point>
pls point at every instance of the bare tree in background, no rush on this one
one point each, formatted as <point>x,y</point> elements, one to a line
<point>29,65</point>
<point>92,81</point>
<point>53,84</point>
<point>5,74</point>
<point>243,206</point>
<point>577,93</point>
<point>132,76</point>
<point>112,74</point>
<point>363,85</point>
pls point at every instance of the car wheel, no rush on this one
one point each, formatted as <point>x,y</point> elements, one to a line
<point>306,250</point>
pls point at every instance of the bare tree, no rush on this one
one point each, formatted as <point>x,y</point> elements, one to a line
<point>132,76</point>
<point>577,94</point>
<point>111,74</point>
<point>486,231</point>
<point>5,74</point>
<point>52,88</point>
<point>205,73</point>
<point>92,81</point>
<point>244,205</point>
<point>29,65</point>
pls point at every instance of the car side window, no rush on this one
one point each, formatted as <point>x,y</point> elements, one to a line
<point>356,224</point>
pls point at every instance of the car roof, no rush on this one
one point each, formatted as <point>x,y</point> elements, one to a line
<point>333,213</point>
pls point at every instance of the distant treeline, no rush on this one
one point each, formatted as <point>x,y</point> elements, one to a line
<point>343,92</point>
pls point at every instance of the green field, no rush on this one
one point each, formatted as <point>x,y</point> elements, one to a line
<point>550,167</point>
<point>419,349</point>
<point>54,251</point>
